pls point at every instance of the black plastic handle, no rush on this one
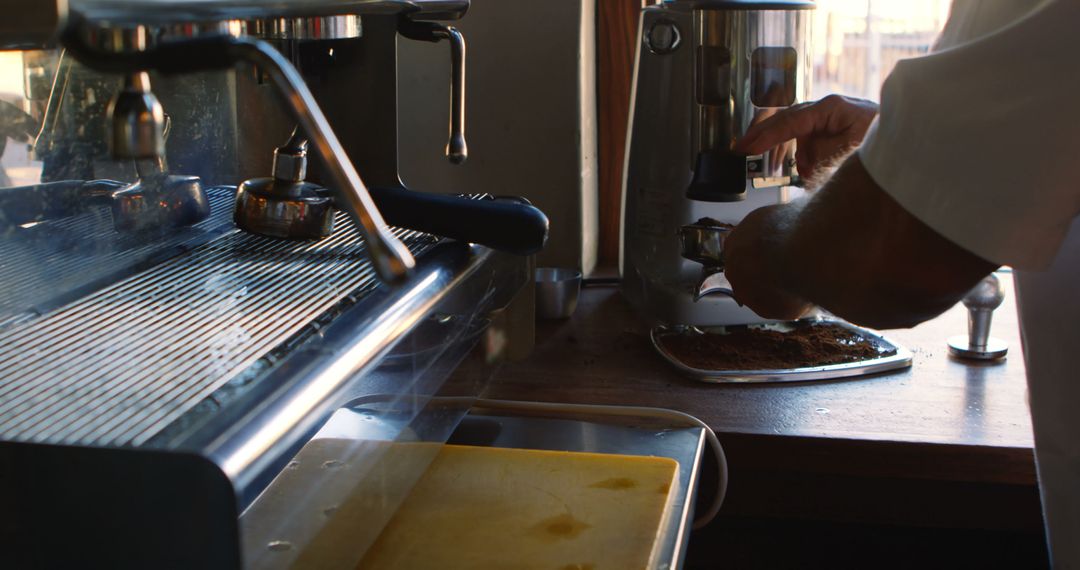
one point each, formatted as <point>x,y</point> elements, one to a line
<point>509,225</point>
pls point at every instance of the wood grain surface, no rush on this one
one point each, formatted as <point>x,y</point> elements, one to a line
<point>944,443</point>
<point>616,40</point>
<point>603,355</point>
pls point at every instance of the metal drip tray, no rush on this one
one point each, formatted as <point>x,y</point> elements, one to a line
<point>890,357</point>
<point>49,264</point>
<point>117,366</point>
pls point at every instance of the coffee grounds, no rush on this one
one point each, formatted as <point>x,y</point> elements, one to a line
<point>767,349</point>
<point>707,221</point>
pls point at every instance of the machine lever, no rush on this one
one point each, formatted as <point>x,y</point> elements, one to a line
<point>392,260</point>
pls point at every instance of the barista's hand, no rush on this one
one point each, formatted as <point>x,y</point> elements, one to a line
<point>752,262</point>
<point>824,129</point>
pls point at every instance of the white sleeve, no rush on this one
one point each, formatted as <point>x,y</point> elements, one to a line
<point>981,141</point>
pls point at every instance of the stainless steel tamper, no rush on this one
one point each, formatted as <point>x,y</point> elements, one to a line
<point>981,302</point>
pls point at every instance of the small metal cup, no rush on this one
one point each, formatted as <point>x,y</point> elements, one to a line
<point>556,292</point>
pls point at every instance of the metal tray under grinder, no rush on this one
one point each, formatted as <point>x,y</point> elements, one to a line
<point>901,358</point>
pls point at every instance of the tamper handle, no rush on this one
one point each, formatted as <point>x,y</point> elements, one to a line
<point>981,302</point>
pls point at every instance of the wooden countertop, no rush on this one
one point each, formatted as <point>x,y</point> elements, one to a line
<point>942,420</point>
<point>603,355</point>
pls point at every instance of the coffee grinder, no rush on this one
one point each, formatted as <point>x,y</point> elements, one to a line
<point>706,70</point>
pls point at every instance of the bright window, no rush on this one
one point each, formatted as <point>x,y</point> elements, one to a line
<point>857,42</point>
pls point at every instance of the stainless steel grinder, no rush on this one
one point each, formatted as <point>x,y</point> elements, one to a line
<point>706,70</point>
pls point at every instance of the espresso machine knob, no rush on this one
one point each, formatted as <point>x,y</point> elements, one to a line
<point>981,302</point>
<point>663,37</point>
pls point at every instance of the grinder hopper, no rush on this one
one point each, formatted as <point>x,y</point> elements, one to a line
<point>705,72</point>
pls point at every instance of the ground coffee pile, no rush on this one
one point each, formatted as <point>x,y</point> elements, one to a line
<point>766,349</point>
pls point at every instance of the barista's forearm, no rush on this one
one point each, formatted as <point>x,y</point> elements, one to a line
<point>851,249</point>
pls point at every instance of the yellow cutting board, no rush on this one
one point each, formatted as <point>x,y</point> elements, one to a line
<point>489,508</point>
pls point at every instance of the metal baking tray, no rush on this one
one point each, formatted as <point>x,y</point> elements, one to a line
<point>900,359</point>
<point>294,510</point>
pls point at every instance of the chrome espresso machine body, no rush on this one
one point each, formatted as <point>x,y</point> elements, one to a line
<point>706,70</point>
<point>160,366</point>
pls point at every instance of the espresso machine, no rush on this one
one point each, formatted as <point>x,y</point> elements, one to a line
<point>706,70</point>
<point>227,328</point>
<point>207,255</point>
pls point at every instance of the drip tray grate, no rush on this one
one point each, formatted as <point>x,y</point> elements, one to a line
<point>116,367</point>
<point>57,261</point>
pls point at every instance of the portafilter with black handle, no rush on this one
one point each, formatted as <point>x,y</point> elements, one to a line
<point>509,224</point>
<point>287,205</point>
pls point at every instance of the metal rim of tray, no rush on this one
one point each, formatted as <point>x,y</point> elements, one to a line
<point>902,359</point>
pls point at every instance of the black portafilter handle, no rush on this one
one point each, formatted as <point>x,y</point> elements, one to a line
<point>504,224</point>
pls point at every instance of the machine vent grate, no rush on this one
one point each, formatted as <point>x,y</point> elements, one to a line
<point>56,259</point>
<point>115,367</point>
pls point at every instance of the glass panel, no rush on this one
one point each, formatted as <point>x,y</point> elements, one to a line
<point>713,75</point>
<point>772,76</point>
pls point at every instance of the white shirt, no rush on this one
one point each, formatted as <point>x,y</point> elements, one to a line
<point>981,141</point>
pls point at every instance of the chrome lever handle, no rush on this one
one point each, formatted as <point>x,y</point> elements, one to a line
<point>456,148</point>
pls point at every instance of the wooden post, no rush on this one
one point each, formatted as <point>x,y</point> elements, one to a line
<point>616,45</point>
